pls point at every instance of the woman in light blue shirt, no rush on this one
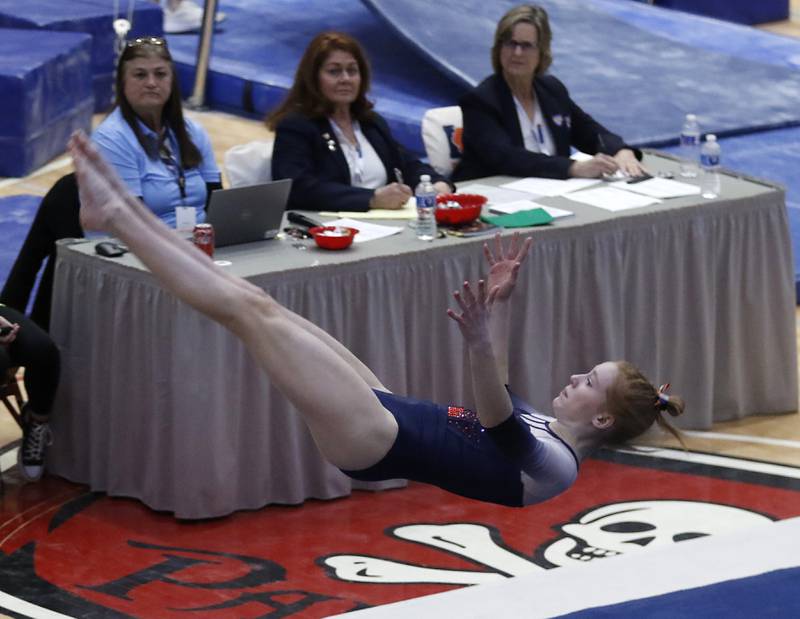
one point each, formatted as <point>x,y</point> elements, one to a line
<point>164,158</point>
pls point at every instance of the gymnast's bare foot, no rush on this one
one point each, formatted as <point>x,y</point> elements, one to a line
<point>102,194</point>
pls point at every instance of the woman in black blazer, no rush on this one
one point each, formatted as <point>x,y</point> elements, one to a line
<point>521,122</point>
<point>338,151</point>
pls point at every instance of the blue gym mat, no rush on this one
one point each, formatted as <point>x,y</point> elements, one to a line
<point>604,62</point>
<point>773,594</point>
<point>47,94</point>
<point>257,48</point>
<point>707,34</point>
<point>16,215</point>
<point>94,17</point>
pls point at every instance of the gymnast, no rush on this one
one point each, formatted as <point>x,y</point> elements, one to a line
<point>505,453</point>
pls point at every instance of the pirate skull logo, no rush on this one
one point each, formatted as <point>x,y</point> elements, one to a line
<point>620,528</point>
<point>607,531</point>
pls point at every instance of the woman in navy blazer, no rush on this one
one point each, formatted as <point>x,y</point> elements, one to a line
<point>520,122</point>
<point>338,151</point>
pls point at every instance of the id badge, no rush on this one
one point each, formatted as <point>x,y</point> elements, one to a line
<point>185,218</point>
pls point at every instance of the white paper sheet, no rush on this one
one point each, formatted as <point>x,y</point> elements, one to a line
<point>661,188</point>
<point>581,156</point>
<point>496,195</point>
<point>611,199</point>
<point>409,211</point>
<point>550,186</point>
<point>526,205</point>
<point>366,231</point>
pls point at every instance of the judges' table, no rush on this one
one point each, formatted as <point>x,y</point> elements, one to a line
<point>159,403</point>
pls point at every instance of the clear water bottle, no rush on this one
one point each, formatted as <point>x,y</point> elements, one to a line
<point>690,146</point>
<point>709,159</point>
<point>426,207</point>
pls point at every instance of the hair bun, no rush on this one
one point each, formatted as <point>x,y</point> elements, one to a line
<point>675,407</point>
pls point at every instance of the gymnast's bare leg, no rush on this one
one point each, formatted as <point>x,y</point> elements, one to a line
<point>330,388</point>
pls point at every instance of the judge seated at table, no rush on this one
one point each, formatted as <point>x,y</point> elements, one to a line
<point>164,158</point>
<point>339,152</point>
<point>521,121</point>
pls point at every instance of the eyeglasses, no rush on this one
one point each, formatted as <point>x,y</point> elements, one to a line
<point>524,46</point>
<point>157,41</point>
<point>337,72</point>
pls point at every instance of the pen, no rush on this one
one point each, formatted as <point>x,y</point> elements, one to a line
<point>541,135</point>
<point>601,143</point>
<point>398,175</point>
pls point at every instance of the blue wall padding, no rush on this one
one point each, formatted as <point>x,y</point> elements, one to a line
<point>47,93</point>
<point>257,48</point>
<point>94,17</point>
<point>636,83</point>
<point>739,11</point>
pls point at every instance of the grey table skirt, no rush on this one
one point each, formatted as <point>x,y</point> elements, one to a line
<point>161,404</point>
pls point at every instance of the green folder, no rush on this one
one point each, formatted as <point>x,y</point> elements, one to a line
<point>520,219</point>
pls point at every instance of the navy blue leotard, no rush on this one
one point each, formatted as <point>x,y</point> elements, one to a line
<point>517,463</point>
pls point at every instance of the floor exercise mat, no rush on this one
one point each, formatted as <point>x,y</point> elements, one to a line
<point>633,81</point>
<point>324,558</point>
<point>257,48</point>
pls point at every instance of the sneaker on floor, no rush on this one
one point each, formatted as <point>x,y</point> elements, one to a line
<point>36,437</point>
<point>187,17</point>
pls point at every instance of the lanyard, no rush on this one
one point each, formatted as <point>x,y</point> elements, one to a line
<point>172,165</point>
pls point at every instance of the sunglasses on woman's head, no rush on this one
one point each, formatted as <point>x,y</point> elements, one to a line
<point>157,41</point>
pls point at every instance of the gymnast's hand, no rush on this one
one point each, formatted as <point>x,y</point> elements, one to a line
<point>473,320</point>
<point>504,264</point>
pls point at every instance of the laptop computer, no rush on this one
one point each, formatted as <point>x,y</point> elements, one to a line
<point>247,214</point>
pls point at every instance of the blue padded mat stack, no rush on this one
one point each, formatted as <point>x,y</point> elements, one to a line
<point>637,83</point>
<point>94,17</point>
<point>47,94</point>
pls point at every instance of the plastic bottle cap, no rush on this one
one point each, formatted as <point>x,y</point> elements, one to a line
<point>691,117</point>
<point>425,178</point>
<point>711,138</point>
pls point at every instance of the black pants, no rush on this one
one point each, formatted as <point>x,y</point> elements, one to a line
<point>57,218</point>
<point>34,350</point>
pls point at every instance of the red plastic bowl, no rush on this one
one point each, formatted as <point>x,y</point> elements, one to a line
<point>333,237</point>
<point>468,209</point>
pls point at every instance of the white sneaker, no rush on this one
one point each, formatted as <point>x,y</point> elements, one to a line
<point>187,17</point>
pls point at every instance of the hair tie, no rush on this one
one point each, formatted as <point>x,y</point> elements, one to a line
<point>662,399</point>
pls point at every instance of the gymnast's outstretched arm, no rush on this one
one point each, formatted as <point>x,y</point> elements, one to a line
<point>504,264</point>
